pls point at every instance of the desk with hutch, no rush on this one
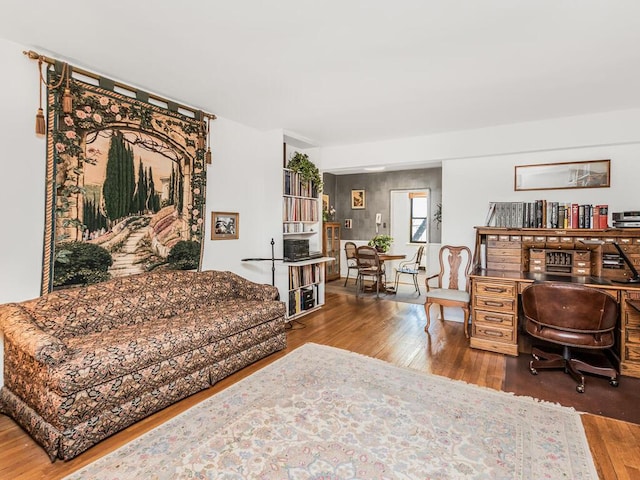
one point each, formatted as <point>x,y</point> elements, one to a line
<point>507,260</point>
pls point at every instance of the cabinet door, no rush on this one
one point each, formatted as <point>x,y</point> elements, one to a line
<point>332,249</point>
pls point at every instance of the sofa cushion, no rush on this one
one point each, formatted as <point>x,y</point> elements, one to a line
<point>98,357</point>
<point>129,300</point>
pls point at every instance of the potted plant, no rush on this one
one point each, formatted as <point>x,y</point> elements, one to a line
<point>382,243</point>
<point>301,164</point>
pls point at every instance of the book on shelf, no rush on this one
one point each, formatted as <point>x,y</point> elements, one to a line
<point>295,186</point>
<point>547,214</point>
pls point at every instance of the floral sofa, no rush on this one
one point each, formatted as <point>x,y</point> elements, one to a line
<point>83,363</point>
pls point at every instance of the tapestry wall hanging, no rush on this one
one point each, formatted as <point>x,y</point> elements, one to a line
<point>125,185</point>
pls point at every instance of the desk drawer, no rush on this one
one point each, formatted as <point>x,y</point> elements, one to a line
<point>494,319</point>
<point>632,335</point>
<point>494,304</point>
<point>503,290</point>
<point>632,353</point>
<point>496,334</point>
<point>632,318</point>
<point>581,271</point>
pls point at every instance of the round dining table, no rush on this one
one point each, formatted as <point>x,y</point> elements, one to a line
<point>386,257</point>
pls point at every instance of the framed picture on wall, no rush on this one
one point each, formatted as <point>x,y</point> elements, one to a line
<point>554,176</point>
<point>325,203</point>
<point>225,225</point>
<point>357,199</point>
<point>348,223</point>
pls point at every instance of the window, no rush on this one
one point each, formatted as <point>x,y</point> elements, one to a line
<point>419,217</point>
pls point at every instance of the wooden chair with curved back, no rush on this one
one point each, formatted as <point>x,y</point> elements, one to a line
<point>350,250</point>
<point>453,288</point>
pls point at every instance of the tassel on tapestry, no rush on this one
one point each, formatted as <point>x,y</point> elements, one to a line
<point>41,127</point>
<point>67,99</point>
<point>207,155</point>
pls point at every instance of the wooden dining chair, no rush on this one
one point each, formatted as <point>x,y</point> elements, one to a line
<point>369,265</point>
<point>350,250</point>
<point>453,289</point>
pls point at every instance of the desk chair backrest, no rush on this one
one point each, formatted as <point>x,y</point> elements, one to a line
<point>455,267</point>
<point>570,309</point>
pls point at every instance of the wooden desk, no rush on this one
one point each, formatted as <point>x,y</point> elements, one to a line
<point>495,313</point>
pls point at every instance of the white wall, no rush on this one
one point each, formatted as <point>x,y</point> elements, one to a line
<point>22,159</point>
<point>245,177</point>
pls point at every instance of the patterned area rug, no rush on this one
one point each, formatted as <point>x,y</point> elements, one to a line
<point>324,413</point>
<point>406,293</point>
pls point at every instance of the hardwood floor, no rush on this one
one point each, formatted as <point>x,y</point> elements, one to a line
<point>383,329</point>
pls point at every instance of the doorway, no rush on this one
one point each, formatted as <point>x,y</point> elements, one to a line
<point>409,217</point>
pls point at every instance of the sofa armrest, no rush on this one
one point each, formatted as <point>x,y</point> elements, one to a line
<point>20,329</point>
<point>254,291</point>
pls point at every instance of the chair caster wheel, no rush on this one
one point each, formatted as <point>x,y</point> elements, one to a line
<point>580,389</point>
<point>613,382</point>
<point>533,370</point>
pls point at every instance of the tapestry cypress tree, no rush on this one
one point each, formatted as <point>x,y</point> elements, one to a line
<point>154,198</point>
<point>172,187</point>
<point>179,192</point>
<point>137,205</point>
<point>92,217</point>
<point>119,184</point>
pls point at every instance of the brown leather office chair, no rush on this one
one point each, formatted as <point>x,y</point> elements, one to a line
<point>352,260</point>
<point>573,316</point>
<point>369,266</point>
<point>453,284</point>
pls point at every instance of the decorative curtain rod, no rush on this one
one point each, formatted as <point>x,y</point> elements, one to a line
<point>52,61</point>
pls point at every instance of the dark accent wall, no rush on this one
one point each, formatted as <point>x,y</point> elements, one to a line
<point>378,187</point>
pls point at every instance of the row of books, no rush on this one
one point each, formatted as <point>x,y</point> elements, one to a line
<point>545,214</point>
<point>300,210</point>
<point>296,227</point>
<point>296,186</point>
<point>304,275</point>
<point>302,299</point>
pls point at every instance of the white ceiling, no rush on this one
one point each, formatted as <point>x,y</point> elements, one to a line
<point>346,71</point>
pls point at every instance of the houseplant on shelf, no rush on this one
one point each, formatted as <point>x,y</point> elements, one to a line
<point>301,164</point>
<point>382,243</point>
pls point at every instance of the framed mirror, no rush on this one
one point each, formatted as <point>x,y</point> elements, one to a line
<point>553,176</point>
